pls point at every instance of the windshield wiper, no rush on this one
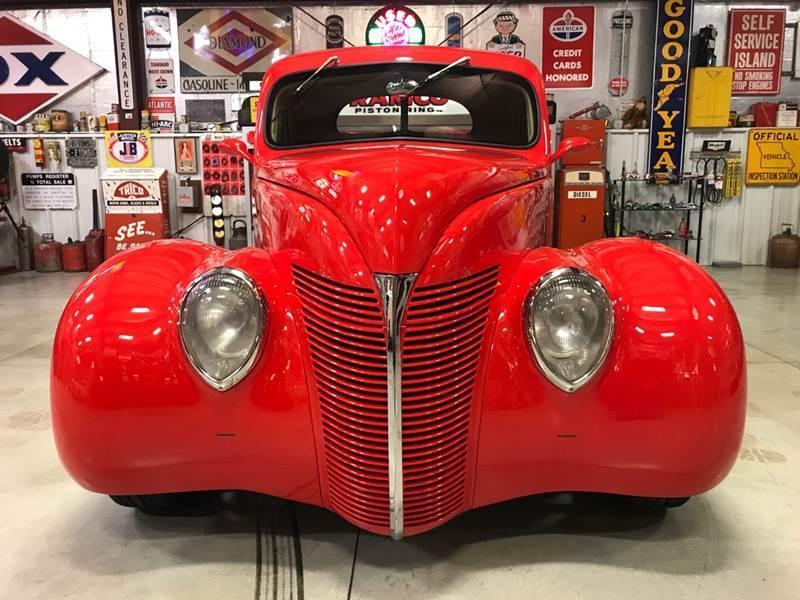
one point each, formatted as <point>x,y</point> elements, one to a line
<point>464,60</point>
<point>306,85</point>
<point>332,60</point>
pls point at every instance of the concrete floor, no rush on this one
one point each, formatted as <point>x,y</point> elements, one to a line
<point>742,540</point>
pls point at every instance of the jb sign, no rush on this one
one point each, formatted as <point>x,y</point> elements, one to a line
<point>35,70</point>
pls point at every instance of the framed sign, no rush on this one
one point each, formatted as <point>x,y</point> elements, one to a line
<point>128,149</point>
<point>162,113</point>
<point>755,50</point>
<point>160,76</point>
<point>157,29</point>
<point>395,26</point>
<point>670,78</point>
<point>568,47</point>
<point>773,156</point>
<point>452,28</point>
<point>185,156</point>
<point>334,31</point>
<point>42,191</point>
<point>36,70</point>
<point>81,153</point>
<point>15,144</point>
<point>218,45</point>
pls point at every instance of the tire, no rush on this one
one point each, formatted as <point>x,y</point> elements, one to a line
<point>179,504</point>
<point>643,503</point>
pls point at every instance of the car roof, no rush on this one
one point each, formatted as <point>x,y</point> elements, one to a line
<point>422,54</point>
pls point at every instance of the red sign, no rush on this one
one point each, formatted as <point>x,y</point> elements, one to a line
<point>568,47</point>
<point>15,144</point>
<point>131,231</point>
<point>36,70</point>
<point>755,50</point>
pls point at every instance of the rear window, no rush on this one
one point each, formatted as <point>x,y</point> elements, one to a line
<point>351,103</point>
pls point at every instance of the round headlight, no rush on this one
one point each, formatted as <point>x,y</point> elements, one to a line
<point>222,320</point>
<point>569,321</point>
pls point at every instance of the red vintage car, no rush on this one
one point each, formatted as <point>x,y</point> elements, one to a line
<point>402,344</point>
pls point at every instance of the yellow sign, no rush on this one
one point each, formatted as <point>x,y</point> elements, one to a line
<point>129,149</point>
<point>773,157</point>
<point>254,109</point>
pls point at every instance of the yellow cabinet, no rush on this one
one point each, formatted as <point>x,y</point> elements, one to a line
<point>710,91</point>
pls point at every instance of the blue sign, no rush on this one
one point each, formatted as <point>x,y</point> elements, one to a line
<point>670,82</point>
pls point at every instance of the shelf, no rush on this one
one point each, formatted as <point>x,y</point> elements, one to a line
<point>667,210</point>
<point>673,239</point>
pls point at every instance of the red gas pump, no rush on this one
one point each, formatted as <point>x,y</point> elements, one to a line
<point>581,186</point>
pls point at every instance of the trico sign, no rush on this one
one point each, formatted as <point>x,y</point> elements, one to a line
<point>670,78</point>
<point>35,70</point>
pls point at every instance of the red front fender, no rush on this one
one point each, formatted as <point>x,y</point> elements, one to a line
<point>131,416</point>
<point>663,417</point>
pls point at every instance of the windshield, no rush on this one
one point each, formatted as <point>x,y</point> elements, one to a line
<point>351,103</point>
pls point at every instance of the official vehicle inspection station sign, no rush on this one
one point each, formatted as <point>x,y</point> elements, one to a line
<point>36,70</point>
<point>217,46</point>
<point>773,156</point>
<point>755,50</point>
<point>670,76</point>
<point>568,47</point>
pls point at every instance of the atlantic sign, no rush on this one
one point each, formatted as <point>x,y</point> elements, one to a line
<point>670,78</point>
<point>36,70</point>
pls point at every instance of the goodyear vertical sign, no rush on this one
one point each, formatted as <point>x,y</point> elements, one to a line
<point>670,79</point>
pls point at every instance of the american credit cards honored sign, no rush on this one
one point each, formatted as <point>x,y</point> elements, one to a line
<point>670,79</point>
<point>755,50</point>
<point>568,47</point>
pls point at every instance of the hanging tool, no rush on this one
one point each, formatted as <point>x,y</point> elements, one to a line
<point>712,181</point>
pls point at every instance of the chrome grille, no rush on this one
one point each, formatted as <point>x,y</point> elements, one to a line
<point>441,341</point>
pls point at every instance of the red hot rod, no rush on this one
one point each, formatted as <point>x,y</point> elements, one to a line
<point>402,344</point>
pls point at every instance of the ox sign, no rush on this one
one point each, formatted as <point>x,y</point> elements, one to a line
<point>670,77</point>
<point>36,70</point>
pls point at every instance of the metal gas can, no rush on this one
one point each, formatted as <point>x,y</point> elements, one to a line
<point>73,256</point>
<point>95,240</point>
<point>238,235</point>
<point>784,249</point>
<point>47,254</point>
<point>26,260</point>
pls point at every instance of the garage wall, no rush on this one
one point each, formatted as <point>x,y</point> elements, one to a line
<point>737,231</point>
<point>309,35</point>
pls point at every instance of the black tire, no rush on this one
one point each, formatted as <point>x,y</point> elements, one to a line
<point>643,503</point>
<point>179,504</point>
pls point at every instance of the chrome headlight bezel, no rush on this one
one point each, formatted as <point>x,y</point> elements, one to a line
<point>528,327</point>
<point>241,372</point>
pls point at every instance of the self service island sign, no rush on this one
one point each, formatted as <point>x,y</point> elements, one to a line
<point>670,77</point>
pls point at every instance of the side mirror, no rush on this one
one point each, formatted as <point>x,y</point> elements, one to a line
<point>569,145</point>
<point>236,146</point>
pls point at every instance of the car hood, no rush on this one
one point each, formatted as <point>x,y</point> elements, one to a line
<point>397,199</point>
